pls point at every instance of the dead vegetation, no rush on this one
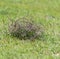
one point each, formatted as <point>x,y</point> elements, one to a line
<point>24,28</point>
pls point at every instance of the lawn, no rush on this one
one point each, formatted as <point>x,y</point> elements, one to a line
<point>46,12</point>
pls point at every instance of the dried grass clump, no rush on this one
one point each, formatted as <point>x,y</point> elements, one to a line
<point>25,29</point>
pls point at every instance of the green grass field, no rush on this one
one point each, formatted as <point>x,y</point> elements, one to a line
<point>46,12</point>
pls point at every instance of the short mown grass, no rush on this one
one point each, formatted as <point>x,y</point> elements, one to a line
<point>46,12</point>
